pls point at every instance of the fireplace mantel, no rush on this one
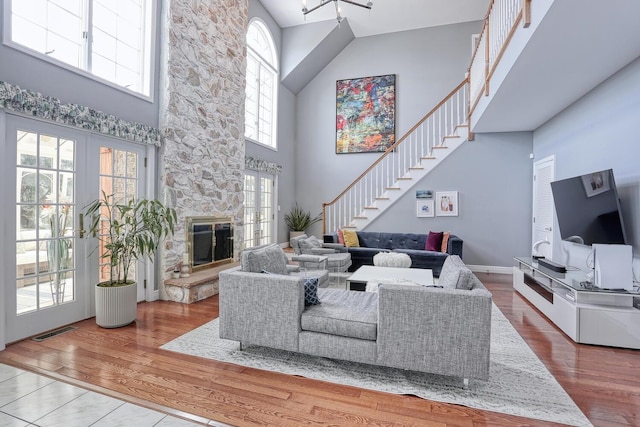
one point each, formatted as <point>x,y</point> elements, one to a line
<point>198,286</point>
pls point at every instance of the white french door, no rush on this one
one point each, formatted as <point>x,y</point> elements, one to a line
<point>46,286</point>
<point>121,173</point>
<point>259,212</point>
<point>53,172</point>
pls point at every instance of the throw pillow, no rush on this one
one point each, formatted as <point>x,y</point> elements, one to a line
<point>311,291</point>
<point>434,241</point>
<point>309,243</point>
<point>340,237</point>
<point>445,241</point>
<point>351,239</point>
<point>268,258</point>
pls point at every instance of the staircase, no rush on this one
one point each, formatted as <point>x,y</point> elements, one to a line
<point>403,165</point>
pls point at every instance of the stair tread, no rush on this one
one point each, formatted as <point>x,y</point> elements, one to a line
<point>405,178</point>
<point>371,207</point>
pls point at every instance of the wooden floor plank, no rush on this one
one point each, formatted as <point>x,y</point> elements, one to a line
<point>129,363</point>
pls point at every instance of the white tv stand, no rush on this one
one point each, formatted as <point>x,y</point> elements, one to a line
<point>586,314</point>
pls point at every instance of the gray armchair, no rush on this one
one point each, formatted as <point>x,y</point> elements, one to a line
<point>272,259</point>
<point>310,252</point>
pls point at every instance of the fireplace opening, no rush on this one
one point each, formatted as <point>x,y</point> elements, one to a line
<point>210,241</point>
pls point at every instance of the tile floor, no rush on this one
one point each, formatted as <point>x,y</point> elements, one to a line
<point>28,399</point>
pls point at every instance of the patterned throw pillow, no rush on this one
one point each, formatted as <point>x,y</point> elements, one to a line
<point>340,236</point>
<point>311,291</point>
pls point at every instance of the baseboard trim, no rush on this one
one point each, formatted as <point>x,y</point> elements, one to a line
<point>490,269</point>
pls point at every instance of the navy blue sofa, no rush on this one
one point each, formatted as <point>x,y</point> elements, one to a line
<point>372,242</point>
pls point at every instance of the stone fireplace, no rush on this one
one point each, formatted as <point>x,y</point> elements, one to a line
<point>202,158</point>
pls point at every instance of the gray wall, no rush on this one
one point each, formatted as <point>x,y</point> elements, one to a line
<point>284,156</point>
<point>428,64</point>
<point>494,215</point>
<point>599,131</point>
<point>29,72</point>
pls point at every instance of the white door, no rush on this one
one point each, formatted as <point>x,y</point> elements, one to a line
<point>121,173</point>
<point>259,213</point>
<point>56,173</point>
<point>543,175</point>
<point>48,287</point>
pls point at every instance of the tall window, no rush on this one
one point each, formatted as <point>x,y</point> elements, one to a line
<point>110,39</point>
<point>262,79</point>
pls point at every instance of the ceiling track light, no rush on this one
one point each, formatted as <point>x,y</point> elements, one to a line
<point>339,17</point>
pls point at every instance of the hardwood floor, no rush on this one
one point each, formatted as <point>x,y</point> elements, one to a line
<point>127,363</point>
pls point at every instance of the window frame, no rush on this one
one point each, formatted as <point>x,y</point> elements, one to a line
<point>275,69</point>
<point>149,58</point>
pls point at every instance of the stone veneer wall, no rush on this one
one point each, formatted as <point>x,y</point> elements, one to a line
<point>202,115</point>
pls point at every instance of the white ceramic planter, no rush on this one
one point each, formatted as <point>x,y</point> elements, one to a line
<point>116,306</point>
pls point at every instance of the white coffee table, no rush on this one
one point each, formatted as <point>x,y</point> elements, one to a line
<point>370,273</point>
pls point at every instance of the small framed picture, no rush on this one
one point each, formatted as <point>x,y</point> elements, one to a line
<point>425,208</point>
<point>424,194</point>
<point>447,203</point>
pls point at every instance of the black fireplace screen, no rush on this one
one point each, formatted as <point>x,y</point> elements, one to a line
<point>210,241</point>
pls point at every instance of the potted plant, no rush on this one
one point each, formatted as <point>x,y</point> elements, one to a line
<point>298,220</point>
<point>127,232</point>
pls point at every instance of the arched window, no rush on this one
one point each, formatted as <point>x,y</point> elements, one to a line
<point>262,84</point>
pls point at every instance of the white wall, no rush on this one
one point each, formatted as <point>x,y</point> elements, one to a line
<point>600,131</point>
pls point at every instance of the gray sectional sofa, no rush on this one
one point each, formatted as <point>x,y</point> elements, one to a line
<point>372,242</point>
<point>428,329</point>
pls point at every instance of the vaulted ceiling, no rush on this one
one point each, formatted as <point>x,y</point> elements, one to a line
<point>386,16</point>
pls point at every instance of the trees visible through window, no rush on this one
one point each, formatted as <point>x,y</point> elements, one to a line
<point>110,39</point>
<point>262,78</point>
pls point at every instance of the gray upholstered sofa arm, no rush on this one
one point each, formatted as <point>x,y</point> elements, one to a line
<point>261,309</point>
<point>445,331</point>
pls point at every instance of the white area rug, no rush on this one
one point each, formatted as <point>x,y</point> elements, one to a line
<point>519,383</point>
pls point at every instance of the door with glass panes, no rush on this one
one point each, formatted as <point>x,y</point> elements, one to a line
<point>259,213</point>
<point>56,172</point>
<point>46,288</point>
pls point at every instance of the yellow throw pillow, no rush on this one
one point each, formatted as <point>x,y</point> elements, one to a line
<point>351,239</point>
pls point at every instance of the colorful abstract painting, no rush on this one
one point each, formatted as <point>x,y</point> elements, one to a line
<point>365,114</point>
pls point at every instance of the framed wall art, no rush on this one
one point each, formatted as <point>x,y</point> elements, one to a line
<point>446,203</point>
<point>365,114</point>
<point>424,194</point>
<point>425,208</point>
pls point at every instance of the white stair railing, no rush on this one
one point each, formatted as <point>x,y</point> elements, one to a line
<point>501,21</point>
<point>396,163</point>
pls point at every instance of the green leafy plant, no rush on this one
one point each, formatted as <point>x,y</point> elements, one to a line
<point>128,232</point>
<point>298,219</point>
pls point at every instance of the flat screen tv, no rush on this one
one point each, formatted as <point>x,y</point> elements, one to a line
<point>588,209</point>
